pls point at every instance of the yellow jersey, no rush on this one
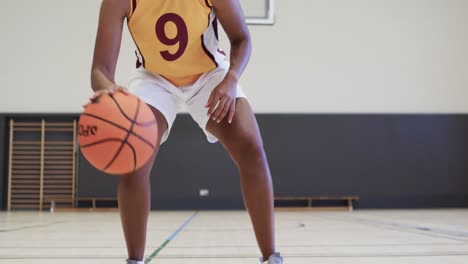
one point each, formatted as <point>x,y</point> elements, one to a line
<point>177,39</point>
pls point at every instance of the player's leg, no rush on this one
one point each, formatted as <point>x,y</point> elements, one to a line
<point>243,142</point>
<point>134,189</point>
<point>134,199</point>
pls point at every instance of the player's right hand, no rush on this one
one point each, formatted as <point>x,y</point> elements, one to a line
<point>111,90</point>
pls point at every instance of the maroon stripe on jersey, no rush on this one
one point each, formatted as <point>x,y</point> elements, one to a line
<point>208,4</point>
<point>208,52</point>
<point>134,4</point>
<point>215,27</point>
<point>138,63</point>
<point>204,47</point>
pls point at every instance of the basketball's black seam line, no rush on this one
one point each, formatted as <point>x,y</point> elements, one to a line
<point>126,137</point>
<point>122,128</point>
<point>115,139</point>
<point>128,118</point>
<point>134,155</point>
<point>100,141</point>
<point>131,129</point>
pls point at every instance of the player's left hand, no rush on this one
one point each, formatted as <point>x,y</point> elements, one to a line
<point>222,100</point>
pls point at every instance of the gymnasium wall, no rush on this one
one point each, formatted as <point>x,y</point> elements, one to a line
<point>321,56</point>
<point>390,161</point>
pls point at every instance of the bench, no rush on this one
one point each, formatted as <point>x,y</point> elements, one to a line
<point>94,200</point>
<point>59,202</point>
<point>308,202</point>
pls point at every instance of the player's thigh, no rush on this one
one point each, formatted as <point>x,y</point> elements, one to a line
<point>196,106</point>
<point>242,137</point>
<point>161,121</point>
<point>163,103</point>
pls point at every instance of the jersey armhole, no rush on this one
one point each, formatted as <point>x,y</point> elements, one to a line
<point>208,3</point>
<point>132,7</point>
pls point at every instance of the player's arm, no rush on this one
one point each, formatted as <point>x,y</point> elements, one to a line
<point>231,17</point>
<point>108,40</point>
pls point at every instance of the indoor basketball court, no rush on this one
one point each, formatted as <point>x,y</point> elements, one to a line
<point>361,105</point>
<point>364,236</point>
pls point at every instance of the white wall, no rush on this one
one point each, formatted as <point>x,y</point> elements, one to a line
<point>369,56</point>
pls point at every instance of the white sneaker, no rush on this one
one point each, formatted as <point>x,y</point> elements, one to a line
<point>129,261</point>
<point>273,259</point>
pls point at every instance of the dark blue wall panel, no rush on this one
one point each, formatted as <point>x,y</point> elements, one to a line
<point>389,160</point>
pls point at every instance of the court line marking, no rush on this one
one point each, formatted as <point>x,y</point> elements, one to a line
<point>432,254</point>
<point>405,228</point>
<point>30,227</point>
<point>419,229</point>
<point>334,245</point>
<point>170,238</point>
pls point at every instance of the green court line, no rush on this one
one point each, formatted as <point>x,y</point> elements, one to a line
<point>170,238</point>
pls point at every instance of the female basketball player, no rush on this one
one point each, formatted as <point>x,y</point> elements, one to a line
<point>179,64</point>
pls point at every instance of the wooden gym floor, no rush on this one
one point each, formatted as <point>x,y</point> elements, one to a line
<point>403,236</point>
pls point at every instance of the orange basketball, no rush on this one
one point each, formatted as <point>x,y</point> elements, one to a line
<point>117,134</point>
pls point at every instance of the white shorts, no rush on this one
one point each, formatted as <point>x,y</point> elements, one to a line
<point>171,100</point>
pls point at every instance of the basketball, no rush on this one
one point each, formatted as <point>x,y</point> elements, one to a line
<point>117,134</point>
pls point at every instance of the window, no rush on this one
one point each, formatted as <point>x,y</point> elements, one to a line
<point>258,12</point>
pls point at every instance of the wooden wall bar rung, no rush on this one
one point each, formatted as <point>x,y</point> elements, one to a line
<point>22,124</point>
<point>25,181</point>
<point>26,161</point>
<point>32,147</point>
<point>26,191</point>
<point>59,129</point>
<point>59,143</point>
<point>58,153</point>
<point>55,124</point>
<point>58,185</point>
<point>60,191</point>
<point>28,129</point>
<point>26,172</point>
<point>31,187</point>
<point>59,167</point>
<point>21,177</point>
<point>20,157</point>
<point>52,182</point>
<point>57,197</point>
<point>32,201</point>
<point>56,158</point>
<point>59,148</point>
<point>57,176</point>
<point>22,142</point>
<point>52,174</point>
<point>25,206</point>
<point>62,179</point>
<point>25,196</point>
<point>64,162</point>
<point>26,167</point>
<point>52,161</point>
<point>25,152</point>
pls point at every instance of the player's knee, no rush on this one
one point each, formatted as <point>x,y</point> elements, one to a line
<point>252,150</point>
<point>139,177</point>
